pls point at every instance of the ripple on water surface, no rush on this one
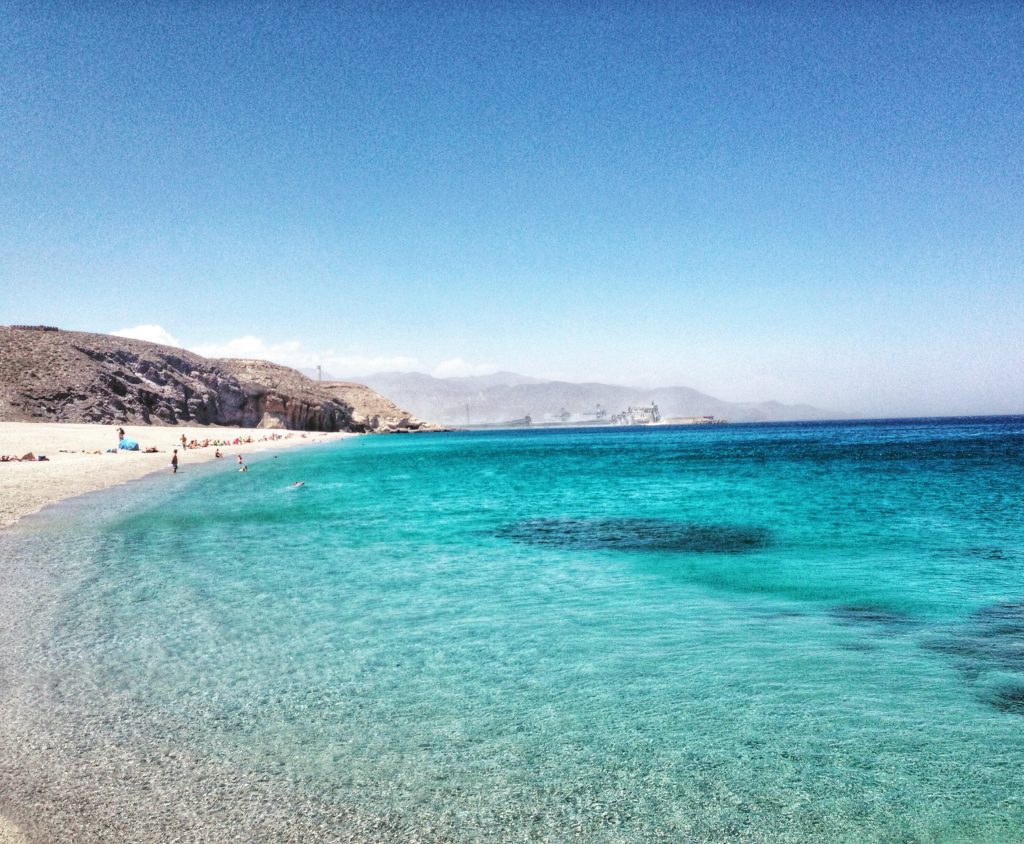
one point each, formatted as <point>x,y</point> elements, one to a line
<point>762,650</point>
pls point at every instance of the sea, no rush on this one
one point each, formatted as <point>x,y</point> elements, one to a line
<point>806,632</point>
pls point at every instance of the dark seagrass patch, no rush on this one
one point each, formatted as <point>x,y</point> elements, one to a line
<point>990,641</point>
<point>1009,698</point>
<point>1005,618</point>
<point>870,614</point>
<point>632,534</point>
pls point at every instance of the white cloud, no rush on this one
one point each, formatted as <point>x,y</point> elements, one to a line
<point>457,368</point>
<point>293,353</point>
<point>289,352</point>
<point>343,365</point>
<point>152,333</point>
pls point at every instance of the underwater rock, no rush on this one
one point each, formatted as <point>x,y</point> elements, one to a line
<point>870,614</point>
<point>987,553</point>
<point>857,647</point>
<point>990,642</point>
<point>1009,698</point>
<point>993,637</point>
<point>632,534</point>
<point>1004,618</point>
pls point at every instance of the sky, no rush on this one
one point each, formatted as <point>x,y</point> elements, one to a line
<point>805,202</point>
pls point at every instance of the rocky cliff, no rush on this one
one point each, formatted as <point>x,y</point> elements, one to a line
<point>71,376</point>
<point>370,408</point>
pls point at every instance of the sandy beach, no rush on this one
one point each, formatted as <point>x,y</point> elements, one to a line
<point>9,833</point>
<point>77,461</point>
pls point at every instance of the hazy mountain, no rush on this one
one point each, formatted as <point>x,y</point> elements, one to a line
<point>497,379</point>
<point>505,396</point>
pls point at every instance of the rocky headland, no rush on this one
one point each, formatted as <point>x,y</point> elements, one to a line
<point>71,376</point>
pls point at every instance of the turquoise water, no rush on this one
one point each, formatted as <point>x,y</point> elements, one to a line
<point>759,633</point>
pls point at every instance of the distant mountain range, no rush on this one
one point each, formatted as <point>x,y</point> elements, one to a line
<point>505,396</point>
<point>71,376</point>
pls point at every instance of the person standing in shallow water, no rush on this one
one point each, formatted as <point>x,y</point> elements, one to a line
<point>174,462</point>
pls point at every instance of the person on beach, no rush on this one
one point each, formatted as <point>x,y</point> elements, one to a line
<point>184,442</point>
<point>120,434</point>
<point>174,462</point>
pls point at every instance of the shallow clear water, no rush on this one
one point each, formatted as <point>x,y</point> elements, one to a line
<point>773,632</point>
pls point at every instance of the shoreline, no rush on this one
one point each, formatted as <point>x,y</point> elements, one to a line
<point>77,461</point>
<point>78,464</point>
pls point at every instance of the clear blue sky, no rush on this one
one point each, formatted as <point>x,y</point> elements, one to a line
<point>807,202</point>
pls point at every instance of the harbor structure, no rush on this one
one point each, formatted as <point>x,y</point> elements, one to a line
<point>643,415</point>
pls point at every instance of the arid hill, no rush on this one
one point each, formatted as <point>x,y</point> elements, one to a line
<point>370,408</point>
<point>72,376</point>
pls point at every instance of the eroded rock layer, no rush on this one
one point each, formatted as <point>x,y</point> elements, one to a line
<point>71,376</point>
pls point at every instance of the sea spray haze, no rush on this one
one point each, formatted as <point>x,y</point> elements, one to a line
<point>803,632</point>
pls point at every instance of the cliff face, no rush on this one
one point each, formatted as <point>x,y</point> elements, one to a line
<point>70,376</point>
<point>280,397</point>
<point>371,409</point>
